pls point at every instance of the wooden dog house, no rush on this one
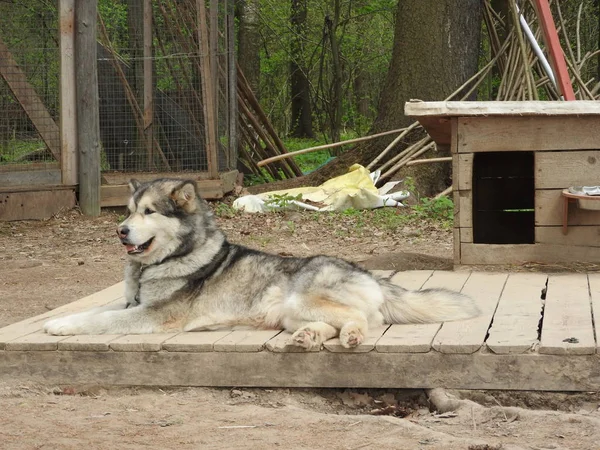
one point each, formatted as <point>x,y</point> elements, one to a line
<point>512,164</point>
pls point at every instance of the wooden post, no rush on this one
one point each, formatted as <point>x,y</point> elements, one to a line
<point>232,87</point>
<point>68,103</point>
<point>88,125</point>
<point>208,89</point>
<point>213,29</point>
<point>148,84</point>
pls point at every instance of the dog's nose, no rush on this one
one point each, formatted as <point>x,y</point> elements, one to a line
<point>123,231</point>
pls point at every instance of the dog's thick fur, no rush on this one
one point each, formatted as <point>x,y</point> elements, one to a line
<point>184,275</point>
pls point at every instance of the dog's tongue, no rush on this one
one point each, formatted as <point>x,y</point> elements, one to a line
<point>129,247</point>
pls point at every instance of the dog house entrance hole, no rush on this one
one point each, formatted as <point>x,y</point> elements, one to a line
<point>503,198</point>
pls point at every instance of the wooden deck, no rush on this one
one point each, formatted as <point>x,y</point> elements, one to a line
<point>501,349</point>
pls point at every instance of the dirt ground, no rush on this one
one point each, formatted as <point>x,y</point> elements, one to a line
<point>49,263</point>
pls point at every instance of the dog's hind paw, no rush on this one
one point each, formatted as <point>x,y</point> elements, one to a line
<point>351,336</point>
<point>306,338</point>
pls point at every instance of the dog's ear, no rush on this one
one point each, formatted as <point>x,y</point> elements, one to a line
<point>184,195</point>
<point>134,185</point>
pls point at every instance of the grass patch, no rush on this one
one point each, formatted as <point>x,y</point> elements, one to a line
<point>11,151</point>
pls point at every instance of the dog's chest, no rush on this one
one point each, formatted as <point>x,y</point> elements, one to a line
<point>155,291</point>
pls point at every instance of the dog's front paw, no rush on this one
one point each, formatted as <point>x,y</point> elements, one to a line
<point>64,326</point>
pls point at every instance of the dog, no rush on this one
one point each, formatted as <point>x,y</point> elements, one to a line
<point>182,274</point>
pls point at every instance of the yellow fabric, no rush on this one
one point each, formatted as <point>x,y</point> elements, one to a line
<point>354,189</point>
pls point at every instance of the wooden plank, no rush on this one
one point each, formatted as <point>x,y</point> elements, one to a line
<point>559,170</point>
<point>24,327</point>
<point>549,210</point>
<point>68,101</point>
<point>320,369</point>
<point>412,279</point>
<point>521,253</point>
<point>456,201</point>
<point>567,325</point>
<point>407,338</point>
<point>35,205</point>
<point>195,341</point>
<point>481,134</point>
<point>383,273</point>
<point>229,180</point>
<point>456,242</point>
<point>30,178</point>
<point>578,236</point>
<point>466,235</point>
<point>465,171</point>
<point>455,173</point>
<point>447,279</point>
<point>87,342</point>
<point>29,100</point>
<point>453,135</point>
<point>515,326</point>
<point>245,341</point>
<point>118,195</point>
<point>594,280</point>
<point>466,209</point>
<point>468,336</point>
<point>29,167</point>
<point>140,342</point>
<point>88,122</point>
<point>116,178</point>
<point>373,336</point>
<point>282,343</point>
<point>492,108</point>
<point>38,341</point>
<point>417,338</point>
<point>438,129</point>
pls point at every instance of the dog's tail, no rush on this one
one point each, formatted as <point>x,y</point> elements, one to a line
<point>426,306</point>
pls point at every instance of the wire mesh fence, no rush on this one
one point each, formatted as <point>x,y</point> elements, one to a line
<point>177,138</point>
<point>151,106</point>
<point>29,84</point>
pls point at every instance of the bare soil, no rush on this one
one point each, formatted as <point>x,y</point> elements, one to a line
<point>49,263</point>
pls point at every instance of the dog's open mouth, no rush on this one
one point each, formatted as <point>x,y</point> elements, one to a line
<point>136,249</point>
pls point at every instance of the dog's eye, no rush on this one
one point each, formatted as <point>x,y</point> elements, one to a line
<point>148,211</point>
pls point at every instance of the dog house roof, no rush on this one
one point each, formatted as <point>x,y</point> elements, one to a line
<point>435,116</point>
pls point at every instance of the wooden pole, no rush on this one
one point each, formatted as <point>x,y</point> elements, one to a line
<point>68,102</point>
<point>555,53</point>
<point>232,87</point>
<point>88,123</point>
<point>428,160</point>
<point>208,97</point>
<point>326,146</point>
<point>148,84</point>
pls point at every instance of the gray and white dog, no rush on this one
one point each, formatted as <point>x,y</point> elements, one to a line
<point>182,275</point>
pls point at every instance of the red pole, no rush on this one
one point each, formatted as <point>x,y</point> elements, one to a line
<point>555,53</point>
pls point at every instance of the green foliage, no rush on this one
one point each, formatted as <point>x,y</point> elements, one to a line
<point>13,149</point>
<point>282,201</point>
<point>440,210</point>
<point>224,210</point>
<point>365,35</point>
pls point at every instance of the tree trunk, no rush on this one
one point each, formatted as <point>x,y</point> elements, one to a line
<point>335,110</point>
<point>249,43</point>
<point>436,49</point>
<point>299,85</point>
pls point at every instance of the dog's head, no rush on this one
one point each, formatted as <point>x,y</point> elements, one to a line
<point>166,218</point>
